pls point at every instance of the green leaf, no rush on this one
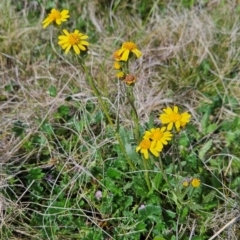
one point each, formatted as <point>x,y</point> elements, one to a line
<point>131,152</point>
<point>127,186</point>
<point>63,111</point>
<point>124,134</point>
<point>157,180</point>
<point>112,186</point>
<point>18,128</point>
<point>211,128</point>
<point>171,213</point>
<point>52,91</point>
<point>113,173</point>
<point>205,120</point>
<point>203,150</point>
<point>150,212</point>
<point>184,140</point>
<point>35,174</point>
<point>184,213</point>
<point>47,128</point>
<point>159,238</point>
<point>139,186</point>
<point>79,125</point>
<point>198,238</point>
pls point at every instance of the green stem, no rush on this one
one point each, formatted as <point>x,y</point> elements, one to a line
<point>146,175</point>
<point>131,100</point>
<point>162,170</point>
<point>106,112</point>
<point>178,157</point>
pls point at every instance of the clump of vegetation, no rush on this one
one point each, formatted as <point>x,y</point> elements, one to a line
<point>119,120</point>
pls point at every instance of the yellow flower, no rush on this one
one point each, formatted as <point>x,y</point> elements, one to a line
<point>185,183</point>
<point>172,116</point>
<point>75,40</point>
<point>145,146</point>
<point>117,65</point>
<point>56,16</point>
<point>159,136</point>
<point>196,182</point>
<point>120,74</point>
<point>116,55</point>
<point>126,48</point>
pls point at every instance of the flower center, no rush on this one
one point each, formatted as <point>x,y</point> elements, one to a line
<point>157,135</point>
<point>55,14</point>
<point>73,38</point>
<point>175,117</point>
<point>145,144</point>
<point>129,45</point>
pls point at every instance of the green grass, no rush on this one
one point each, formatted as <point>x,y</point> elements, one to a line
<point>62,142</point>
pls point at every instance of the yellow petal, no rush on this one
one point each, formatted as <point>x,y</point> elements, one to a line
<point>65,32</point>
<point>67,49</point>
<point>175,109</point>
<point>168,111</point>
<point>145,153</point>
<point>125,55</point>
<point>85,43</point>
<point>137,52</point>
<point>177,124</point>
<point>170,126</point>
<point>76,49</point>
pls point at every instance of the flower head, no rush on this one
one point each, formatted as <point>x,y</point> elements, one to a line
<point>120,74</point>
<point>185,183</point>
<point>117,65</point>
<point>56,16</point>
<point>196,182</point>
<point>116,55</point>
<point>98,195</point>
<point>75,40</point>
<point>126,48</point>
<point>172,116</point>
<point>141,207</point>
<point>159,137</point>
<point>130,79</point>
<point>147,145</point>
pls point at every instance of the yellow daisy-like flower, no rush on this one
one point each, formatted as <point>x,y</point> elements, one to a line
<point>75,40</point>
<point>185,183</point>
<point>126,48</point>
<point>56,16</point>
<point>120,74</point>
<point>145,146</point>
<point>116,55</point>
<point>172,116</point>
<point>117,65</point>
<point>196,182</point>
<point>159,136</point>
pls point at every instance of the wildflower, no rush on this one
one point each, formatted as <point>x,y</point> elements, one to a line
<point>130,79</point>
<point>117,65</point>
<point>196,182</point>
<point>141,207</point>
<point>75,40</point>
<point>116,55</point>
<point>126,48</point>
<point>120,74</point>
<point>56,16</point>
<point>172,116</point>
<point>98,195</point>
<point>147,145</point>
<point>185,183</point>
<point>159,136</point>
